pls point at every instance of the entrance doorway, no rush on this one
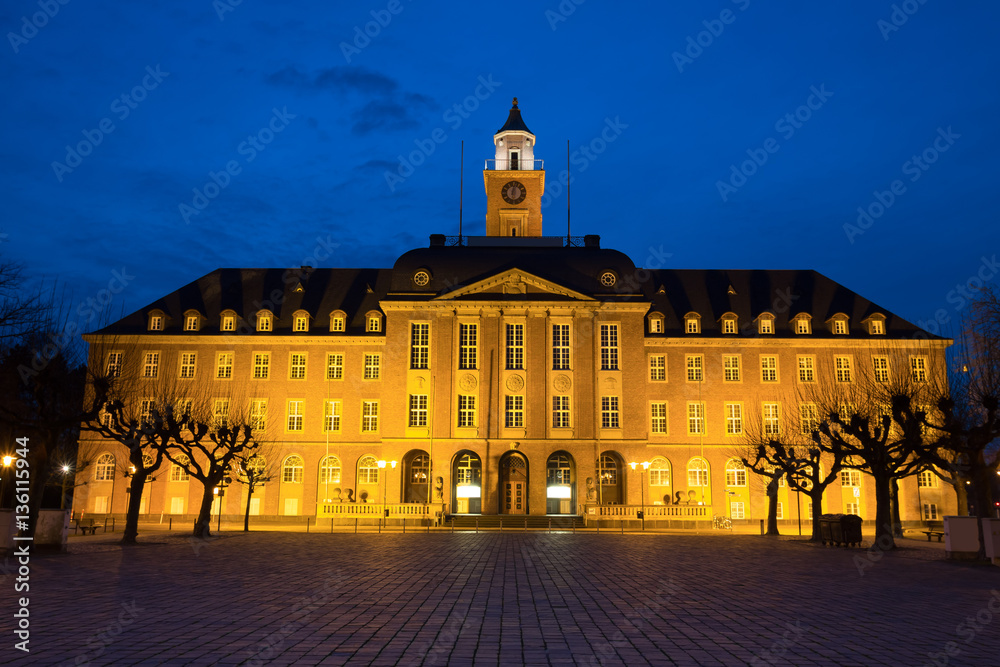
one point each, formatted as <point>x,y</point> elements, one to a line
<point>514,484</point>
<point>467,473</point>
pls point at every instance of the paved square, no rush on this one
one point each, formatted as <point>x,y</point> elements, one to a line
<point>471,599</point>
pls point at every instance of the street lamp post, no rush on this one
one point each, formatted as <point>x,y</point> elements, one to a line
<point>642,491</point>
<point>220,493</point>
<point>381,464</point>
<point>7,460</point>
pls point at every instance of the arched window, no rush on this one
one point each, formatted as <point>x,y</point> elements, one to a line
<point>291,471</point>
<point>608,470</point>
<point>469,470</point>
<point>692,323</point>
<point>338,321</point>
<point>178,472</point>
<point>736,473</point>
<point>419,469</point>
<point>367,470</point>
<point>147,461</point>
<point>300,321</point>
<point>105,470</point>
<point>329,470</point>
<point>558,469</point>
<point>255,468</point>
<point>659,472</point>
<point>265,320</point>
<point>192,320</point>
<point>697,472</point>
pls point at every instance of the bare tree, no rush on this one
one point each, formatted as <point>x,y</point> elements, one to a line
<point>254,468</point>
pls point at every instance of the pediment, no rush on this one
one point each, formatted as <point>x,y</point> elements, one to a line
<point>515,282</point>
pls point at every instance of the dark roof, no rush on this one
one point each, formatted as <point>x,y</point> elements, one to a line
<point>514,122</point>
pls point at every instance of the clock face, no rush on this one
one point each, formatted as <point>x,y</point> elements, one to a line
<point>514,193</point>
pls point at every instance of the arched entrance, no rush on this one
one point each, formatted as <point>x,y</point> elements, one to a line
<point>513,483</point>
<point>609,472</point>
<point>560,484</point>
<point>416,474</point>
<point>467,483</point>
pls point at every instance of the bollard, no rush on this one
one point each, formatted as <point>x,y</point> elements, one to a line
<point>355,525</point>
<point>331,525</point>
<point>307,523</point>
<point>622,523</point>
<point>762,531</point>
<point>105,524</point>
<point>477,525</point>
<point>525,524</point>
<point>550,525</point>
<point>501,525</point>
<point>380,525</point>
<point>112,524</point>
<point>404,525</point>
<point>453,524</point>
<point>170,526</point>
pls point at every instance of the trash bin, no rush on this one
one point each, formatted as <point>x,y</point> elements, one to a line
<point>840,529</point>
<point>829,528</point>
<point>851,529</point>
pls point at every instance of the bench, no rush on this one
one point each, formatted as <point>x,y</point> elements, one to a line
<point>934,530</point>
<point>89,524</point>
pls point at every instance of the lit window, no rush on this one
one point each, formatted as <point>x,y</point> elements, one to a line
<point>146,410</point>
<point>514,411</point>
<point>560,347</point>
<point>300,323</point>
<point>558,470</point>
<point>368,470</point>
<point>151,364</point>
<point>850,478</point>
<point>331,416</point>
<point>258,414</point>
<point>608,470</point>
<point>658,418</point>
<point>802,326</point>
<point>373,366</point>
<point>736,509</point>
<point>768,368</point>
<point>609,412</point>
<point>926,479</point>
<point>694,368</point>
<point>105,468</point>
<point>697,472</point>
<point>188,364</point>
<point>808,418</point>
<point>656,325</point>
<point>466,411</point>
<point>115,364</point>
<point>261,365</point>
<point>609,347</point>
<point>467,346</point>
<point>294,416</point>
<point>337,323</point>
<point>918,369</point>
<point>851,508</point>
<point>374,323</point>
<point>731,365</point>
<point>807,369</point>
<point>881,368</point>
<point>420,337</point>
<point>734,419</point>
<point>224,366</point>
<point>220,413</point>
<point>696,418</point>
<point>843,368</point>
<point>515,347</point>
<point>329,470</point>
<point>765,325</point>
<point>876,327</point>
<point>736,473</point>
<point>692,324</point>
<point>840,327</point>
<point>178,471</point>
<point>657,368</point>
<point>291,471</point>
<point>781,511</point>
<point>729,325</point>
<point>560,412</point>
<point>809,509</point>
<point>297,366</point>
<point>930,512</point>
<point>772,418</point>
<point>659,472</point>
<point>264,321</point>
<point>418,410</point>
<point>369,416</point>
<point>228,323</point>
<point>335,366</point>
<point>191,323</point>
<point>156,323</point>
<point>469,470</point>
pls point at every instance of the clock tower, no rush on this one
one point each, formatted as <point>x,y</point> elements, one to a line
<point>515,181</point>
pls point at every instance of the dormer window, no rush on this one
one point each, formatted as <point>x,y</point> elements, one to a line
<point>156,322</point>
<point>656,324</point>
<point>692,323</point>
<point>374,323</point>
<point>192,322</point>
<point>265,321</point>
<point>338,322</point>
<point>300,322</point>
<point>876,327</point>
<point>802,325</point>
<point>840,327</point>
<point>729,323</point>
<point>227,322</point>
<point>765,325</point>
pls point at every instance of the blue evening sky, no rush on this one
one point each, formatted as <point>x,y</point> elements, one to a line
<point>687,91</point>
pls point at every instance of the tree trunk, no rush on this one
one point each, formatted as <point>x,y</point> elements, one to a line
<point>897,523</point>
<point>246,516</point>
<point>883,513</point>
<point>817,508</point>
<point>202,528</point>
<point>982,497</point>
<point>136,486</point>
<point>772,506</point>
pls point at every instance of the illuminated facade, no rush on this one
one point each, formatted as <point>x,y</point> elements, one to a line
<point>521,373</point>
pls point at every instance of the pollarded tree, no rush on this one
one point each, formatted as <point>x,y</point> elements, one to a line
<point>254,468</point>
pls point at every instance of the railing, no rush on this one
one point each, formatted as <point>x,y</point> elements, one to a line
<point>568,241</point>
<point>651,511</point>
<point>376,510</point>
<point>514,165</point>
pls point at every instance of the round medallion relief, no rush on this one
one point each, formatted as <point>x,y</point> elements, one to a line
<point>515,383</point>
<point>562,383</point>
<point>468,382</point>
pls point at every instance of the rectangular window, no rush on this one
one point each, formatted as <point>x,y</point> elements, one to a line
<point>301,324</point>
<point>514,411</point>
<point>731,365</point>
<point>695,368</point>
<point>467,345</point>
<point>188,364</point>
<point>843,367</point>
<point>220,412</point>
<point>926,479</point>
<point>515,347</point>
<point>657,368</point>
<point>808,418</point>
<point>839,327</point>
<point>560,412</point>
<point>881,367</point>
<point>802,326</point>
<point>658,418</point>
<point>335,366</point>
<point>918,369</point>
<point>734,419</point>
<point>146,409</point>
<point>156,323</point>
<point>373,366</point>
<point>696,418</point>
<point>736,509</point>
<point>337,324</point>
<point>420,339</point>
<point>609,412</point>
<point>729,325</point>
<point>809,509</point>
<point>560,347</point>
<point>466,411</point>
<point>294,415</point>
<point>772,419</point>
<point>850,478</point>
<point>609,347</point>
<point>765,326</point>
<point>151,364</point>
<point>781,511</point>
<point>224,366</point>
<point>115,364</point>
<point>374,323</point>
<point>369,416</point>
<point>807,369</point>
<point>768,368</point>
<point>877,327</point>
<point>692,325</point>
<point>418,410</point>
<point>331,416</point>
<point>736,476</point>
<point>264,323</point>
<point>297,366</point>
<point>229,323</point>
<point>656,325</point>
<point>851,508</point>
<point>258,414</point>
<point>261,365</point>
<point>930,512</point>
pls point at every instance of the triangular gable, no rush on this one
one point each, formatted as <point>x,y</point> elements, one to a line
<point>514,281</point>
